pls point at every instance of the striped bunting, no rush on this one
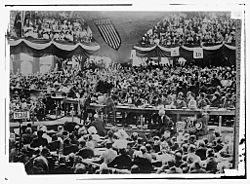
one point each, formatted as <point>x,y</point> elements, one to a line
<point>109,33</point>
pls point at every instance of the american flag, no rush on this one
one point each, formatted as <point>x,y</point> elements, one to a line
<point>109,33</point>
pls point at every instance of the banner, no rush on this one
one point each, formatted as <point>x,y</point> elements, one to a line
<point>175,51</point>
<point>22,115</point>
<point>137,61</point>
<point>198,53</point>
<point>182,61</point>
<point>165,61</point>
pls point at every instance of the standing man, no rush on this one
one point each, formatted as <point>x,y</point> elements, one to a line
<point>166,125</point>
<point>110,106</point>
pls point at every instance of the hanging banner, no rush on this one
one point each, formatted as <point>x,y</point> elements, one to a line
<point>22,115</point>
<point>182,61</point>
<point>198,53</point>
<point>165,61</point>
<point>175,52</point>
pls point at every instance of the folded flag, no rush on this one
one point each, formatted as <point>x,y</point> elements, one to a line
<point>109,33</point>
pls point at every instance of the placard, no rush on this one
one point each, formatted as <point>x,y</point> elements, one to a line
<point>175,51</point>
<point>22,115</point>
<point>198,53</point>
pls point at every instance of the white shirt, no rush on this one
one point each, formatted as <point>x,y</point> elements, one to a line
<point>109,155</point>
<point>120,143</point>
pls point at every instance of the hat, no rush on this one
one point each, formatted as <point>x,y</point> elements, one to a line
<point>156,138</point>
<point>96,116</point>
<point>92,130</point>
<point>143,149</point>
<point>62,160</point>
<point>137,154</point>
<point>174,138</point>
<point>201,143</point>
<point>178,155</point>
<point>77,127</point>
<point>60,127</point>
<point>186,136</point>
<point>219,140</point>
<point>217,93</point>
<point>191,148</point>
<point>192,137</point>
<point>166,134</point>
<point>44,128</point>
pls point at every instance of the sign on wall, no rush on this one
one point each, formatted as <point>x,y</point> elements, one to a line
<point>198,53</point>
<point>22,115</point>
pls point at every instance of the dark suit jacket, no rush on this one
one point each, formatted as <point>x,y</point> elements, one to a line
<point>165,123</point>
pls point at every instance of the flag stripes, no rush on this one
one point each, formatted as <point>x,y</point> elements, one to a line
<point>103,33</point>
<point>108,36</point>
<point>114,33</point>
<point>108,33</point>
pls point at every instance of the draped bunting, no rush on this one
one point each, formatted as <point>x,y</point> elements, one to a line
<point>189,48</point>
<point>145,49</point>
<point>215,54</point>
<point>62,49</point>
<point>168,49</point>
<point>230,47</point>
<point>67,47</point>
<point>215,47</point>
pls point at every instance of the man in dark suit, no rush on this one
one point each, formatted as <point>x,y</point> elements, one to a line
<point>165,123</point>
<point>39,140</point>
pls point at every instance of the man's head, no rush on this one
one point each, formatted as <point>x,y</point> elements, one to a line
<point>28,130</point>
<point>191,149</point>
<point>210,153</point>
<point>60,128</point>
<point>96,116</point>
<point>135,169</point>
<point>109,144</point>
<point>143,149</point>
<point>178,156</point>
<point>161,112</point>
<point>39,133</point>
<point>122,151</point>
<point>45,152</point>
<point>80,169</point>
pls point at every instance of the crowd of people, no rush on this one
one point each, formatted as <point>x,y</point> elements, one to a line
<point>191,87</point>
<point>51,27</point>
<point>78,149</point>
<point>94,148</point>
<point>180,29</point>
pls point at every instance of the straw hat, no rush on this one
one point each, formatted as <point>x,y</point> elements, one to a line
<point>92,130</point>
